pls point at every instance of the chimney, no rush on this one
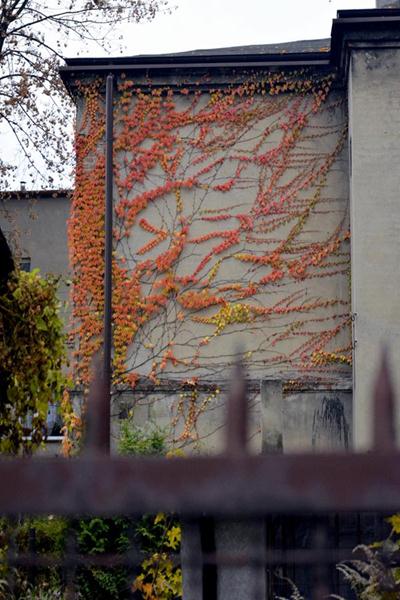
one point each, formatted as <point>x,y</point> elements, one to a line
<point>387,3</point>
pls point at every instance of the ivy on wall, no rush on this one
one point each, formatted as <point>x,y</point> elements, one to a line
<point>225,225</point>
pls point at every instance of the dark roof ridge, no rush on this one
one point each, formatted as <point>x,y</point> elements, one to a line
<point>284,48</point>
<point>29,194</point>
<point>314,45</point>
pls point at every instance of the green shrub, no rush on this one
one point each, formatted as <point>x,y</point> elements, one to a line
<point>110,536</point>
<point>103,536</point>
<point>144,441</point>
<point>41,536</point>
<point>49,534</point>
<point>376,576</point>
<point>155,536</point>
<point>32,354</point>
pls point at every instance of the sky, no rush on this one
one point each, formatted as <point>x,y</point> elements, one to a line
<point>196,24</point>
<point>202,24</point>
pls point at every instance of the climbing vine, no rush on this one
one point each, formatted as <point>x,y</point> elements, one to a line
<point>230,225</point>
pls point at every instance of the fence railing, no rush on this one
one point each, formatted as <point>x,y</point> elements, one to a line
<point>233,485</point>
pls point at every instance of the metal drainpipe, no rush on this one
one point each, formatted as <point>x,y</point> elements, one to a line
<point>108,249</point>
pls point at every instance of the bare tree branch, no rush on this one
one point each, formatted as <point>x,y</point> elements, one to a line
<point>33,103</point>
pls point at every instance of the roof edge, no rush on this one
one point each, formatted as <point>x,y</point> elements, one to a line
<point>217,62</point>
<point>34,194</point>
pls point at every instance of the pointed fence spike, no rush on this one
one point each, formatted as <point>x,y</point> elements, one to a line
<point>237,411</point>
<point>97,423</point>
<point>384,433</point>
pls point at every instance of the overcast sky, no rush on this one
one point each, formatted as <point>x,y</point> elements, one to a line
<point>196,24</point>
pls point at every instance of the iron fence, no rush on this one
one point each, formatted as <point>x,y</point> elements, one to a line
<point>234,486</point>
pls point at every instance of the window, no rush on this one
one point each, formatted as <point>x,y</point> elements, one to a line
<point>25,264</point>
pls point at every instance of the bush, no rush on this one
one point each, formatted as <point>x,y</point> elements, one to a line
<point>376,576</point>
<point>157,578</point>
<point>156,536</point>
<point>43,536</point>
<point>144,441</point>
<point>159,535</point>
<point>103,536</point>
<point>32,354</point>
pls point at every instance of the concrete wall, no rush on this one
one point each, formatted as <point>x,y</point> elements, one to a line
<point>305,419</point>
<point>273,345</point>
<point>265,338</point>
<point>374,101</point>
<point>36,228</point>
<point>280,419</point>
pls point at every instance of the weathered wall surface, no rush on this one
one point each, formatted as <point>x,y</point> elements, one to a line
<point>374,121</point>
<point>37,229</point>
<point>280,420</point>
<point>231,225</point>
<point>305,419</point>
<point>212,333</point>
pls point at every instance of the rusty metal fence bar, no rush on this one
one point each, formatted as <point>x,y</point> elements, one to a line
<point>233,485</point>
<point>222,486</point>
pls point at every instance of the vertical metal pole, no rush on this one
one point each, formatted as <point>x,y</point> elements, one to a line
<point>108,248</point>
<point>384,405</point>
<point>236,442</point>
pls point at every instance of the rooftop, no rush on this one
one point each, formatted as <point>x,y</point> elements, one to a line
<point>320,53</point>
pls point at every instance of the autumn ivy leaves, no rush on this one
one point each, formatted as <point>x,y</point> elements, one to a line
<point>206,181</point>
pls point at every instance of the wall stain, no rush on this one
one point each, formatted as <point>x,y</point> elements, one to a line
<point>329,422</point>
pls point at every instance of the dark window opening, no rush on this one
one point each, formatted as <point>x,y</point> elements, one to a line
<point>25,264</point>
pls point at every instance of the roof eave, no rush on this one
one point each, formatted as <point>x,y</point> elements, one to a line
<point>213,64</point>
<point>34,194</point>
<point>347,21</point>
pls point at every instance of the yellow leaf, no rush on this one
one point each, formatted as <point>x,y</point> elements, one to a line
<point>174,537</point>
<point>394,521</point>
<point>160,518</point>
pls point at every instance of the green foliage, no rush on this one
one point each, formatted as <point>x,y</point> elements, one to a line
<point>38,591</point>
<point>374,577</point>
<point>103,536</point>
<point>96,535</point>
<point>295,592</point>
<point>159,535</point>
<point>110,536</point>
<point>159,579</point>
<point>44,592</point>
<point>103,583</point>
<point>144,441</point>
<point>376,574</point>
<point>49,534</point>
<point>394,521</point>
<point>44,535</point>
<point>32,354</point>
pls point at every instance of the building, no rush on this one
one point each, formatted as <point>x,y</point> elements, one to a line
<point>238,175</point>
<point>34,223</point>
<point>218,105</point>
